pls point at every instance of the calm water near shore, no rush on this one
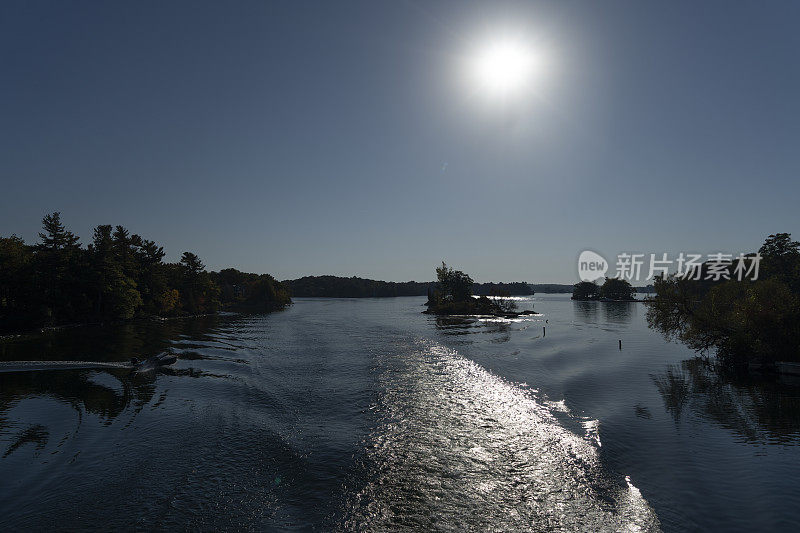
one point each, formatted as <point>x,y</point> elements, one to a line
<point>368,415</point>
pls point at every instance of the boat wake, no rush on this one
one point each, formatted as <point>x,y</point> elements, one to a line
<point>458,447</point>
<point>31,366</point>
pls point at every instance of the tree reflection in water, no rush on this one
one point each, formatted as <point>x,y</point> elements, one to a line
<point>613,312</point>
<point>105,393</point>
<point>619,312</point>
<point>760,409</point>
<point>585,311</point>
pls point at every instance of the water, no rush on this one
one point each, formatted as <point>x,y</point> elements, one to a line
<point>367,415</point>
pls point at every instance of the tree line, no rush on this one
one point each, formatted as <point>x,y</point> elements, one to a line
<point>118,276</point>
<point>354,287</point>
<point>747,322</point>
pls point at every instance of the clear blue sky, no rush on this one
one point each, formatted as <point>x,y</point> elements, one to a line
<point>301,138</point>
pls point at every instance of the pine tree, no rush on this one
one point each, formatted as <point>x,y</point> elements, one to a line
<point>55,235</point>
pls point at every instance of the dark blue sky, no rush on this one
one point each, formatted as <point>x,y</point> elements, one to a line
<point>342,138</point>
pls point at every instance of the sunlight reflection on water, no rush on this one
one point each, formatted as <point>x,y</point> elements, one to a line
<point>460,446</point>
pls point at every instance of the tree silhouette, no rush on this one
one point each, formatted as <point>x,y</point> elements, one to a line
<point>743,322</point>
<point>585,290</point>
<point>118,276</point>
<point>55,236</point>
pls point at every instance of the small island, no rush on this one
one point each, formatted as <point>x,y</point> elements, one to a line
<point>452,295</point>
<point>612,290</point>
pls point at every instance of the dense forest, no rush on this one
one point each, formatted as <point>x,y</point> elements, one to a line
<point>752,322</point>
<point>551,288</point>
<point>340,287</point>
<point>514,288</point>
<point>118,276</point>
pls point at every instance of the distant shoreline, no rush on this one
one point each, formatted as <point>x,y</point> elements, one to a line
<point>355,287</point>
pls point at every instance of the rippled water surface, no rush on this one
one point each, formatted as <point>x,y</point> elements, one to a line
<point>365,415</point>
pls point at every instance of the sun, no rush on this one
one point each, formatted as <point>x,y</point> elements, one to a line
<point>504,67</point>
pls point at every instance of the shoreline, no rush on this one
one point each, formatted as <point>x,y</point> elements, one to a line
<point>138,320</point>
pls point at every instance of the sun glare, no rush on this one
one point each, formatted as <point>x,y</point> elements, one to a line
<point>504,67</point>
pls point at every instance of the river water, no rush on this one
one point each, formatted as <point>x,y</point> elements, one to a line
<point>366,415</point>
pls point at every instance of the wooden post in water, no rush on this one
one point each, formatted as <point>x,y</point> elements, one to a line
<point>620,344</point>
<point>544,331</point>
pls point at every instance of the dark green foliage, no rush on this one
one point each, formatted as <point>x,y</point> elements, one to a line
<point>55,236</point>
<point>452,295</point>
<point>612,289</point>
<point>617,289</point>
<point>585,290</point>
<point>17,277</point>
<point>192,264</point>
<point>59,279</point>
<point>250,292</point>
<point>453,285</point>
<point>780,246</point>
<point>516,288</point>
<point>117,277</point>
<point>198,293</point>
<point>742,321</point>
<point>781,260</point>
<point>117,296</point>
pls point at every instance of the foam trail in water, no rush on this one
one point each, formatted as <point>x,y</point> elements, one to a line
<point>458,448</point>
<point>29,366</point>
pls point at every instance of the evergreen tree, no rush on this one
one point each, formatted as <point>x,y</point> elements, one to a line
<point>60,273</point>
<point>117,294</point>
<point>118,276</point>
<point>55,236</point>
